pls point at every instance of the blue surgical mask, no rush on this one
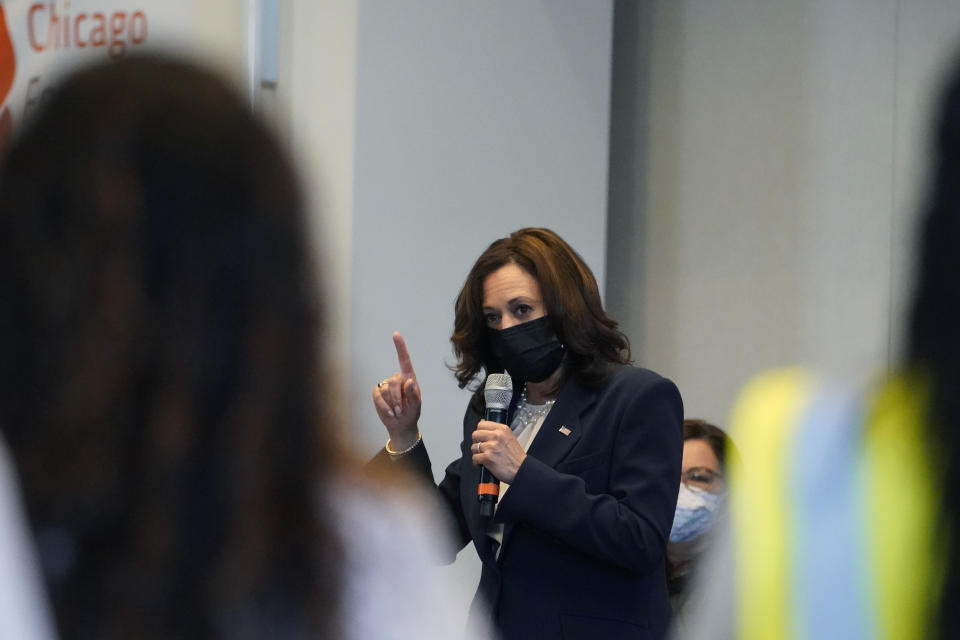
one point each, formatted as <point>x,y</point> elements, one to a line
<point>695,512</point>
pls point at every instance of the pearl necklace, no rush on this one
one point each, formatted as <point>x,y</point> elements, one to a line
<point>529,414</point>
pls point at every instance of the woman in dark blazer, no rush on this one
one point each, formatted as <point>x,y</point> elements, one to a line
<point>588,460</point>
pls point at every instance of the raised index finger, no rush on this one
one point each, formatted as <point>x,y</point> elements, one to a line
<point>403,356</point>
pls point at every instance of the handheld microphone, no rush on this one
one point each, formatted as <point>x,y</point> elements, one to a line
<point>497,393</point>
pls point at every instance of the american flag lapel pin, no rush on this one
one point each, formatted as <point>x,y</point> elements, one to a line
<point>564,431</point>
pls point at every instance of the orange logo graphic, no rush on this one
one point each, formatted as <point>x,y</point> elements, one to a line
<point>8,66</point>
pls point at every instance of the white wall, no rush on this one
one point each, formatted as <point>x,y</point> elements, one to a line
<point>315,103</point>
<point>784,147</point>
<point>218,34</point>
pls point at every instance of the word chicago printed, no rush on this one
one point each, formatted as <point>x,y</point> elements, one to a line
<point>49,28</point>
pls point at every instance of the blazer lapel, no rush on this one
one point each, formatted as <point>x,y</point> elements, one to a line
<point>561,429</point>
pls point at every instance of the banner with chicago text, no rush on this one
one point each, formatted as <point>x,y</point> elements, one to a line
<point>39,41</point>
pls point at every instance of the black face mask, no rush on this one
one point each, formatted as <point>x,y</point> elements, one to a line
<point>528,351</point>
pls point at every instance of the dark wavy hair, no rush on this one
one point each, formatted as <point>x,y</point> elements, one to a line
<point>160,362</point>
<point>590,336</point>
<point>934,340</point>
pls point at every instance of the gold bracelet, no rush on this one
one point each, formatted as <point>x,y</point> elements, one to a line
<point>397,454</point>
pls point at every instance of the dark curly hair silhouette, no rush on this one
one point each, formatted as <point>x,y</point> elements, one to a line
<point>934,339</point>
<point>160,362</point>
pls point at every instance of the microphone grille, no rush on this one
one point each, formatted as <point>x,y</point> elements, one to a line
<point>498,391</point>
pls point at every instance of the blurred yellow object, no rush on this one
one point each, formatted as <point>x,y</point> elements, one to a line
<point>833,510</point>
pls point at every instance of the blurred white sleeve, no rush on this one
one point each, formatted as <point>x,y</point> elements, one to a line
<point>394,586</point>
<point>24,611</point>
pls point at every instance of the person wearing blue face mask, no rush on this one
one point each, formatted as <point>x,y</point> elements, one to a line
<point>588,457</point>
<point>696,509</point>
<point>700,503</point>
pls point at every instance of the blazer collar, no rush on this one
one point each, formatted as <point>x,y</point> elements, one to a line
<point>561,429</point>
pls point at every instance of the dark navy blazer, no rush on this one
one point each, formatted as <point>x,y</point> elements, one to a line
<point>586,519</point>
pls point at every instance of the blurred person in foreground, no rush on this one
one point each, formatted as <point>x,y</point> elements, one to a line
<point>700,504</point>
<point>844,514</point>
<point>588,456</point>
<point>163,390</point>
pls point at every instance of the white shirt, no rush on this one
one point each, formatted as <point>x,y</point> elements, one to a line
<point>391,596</point>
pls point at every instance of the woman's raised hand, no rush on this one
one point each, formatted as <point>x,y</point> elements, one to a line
<point>397,400</point>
